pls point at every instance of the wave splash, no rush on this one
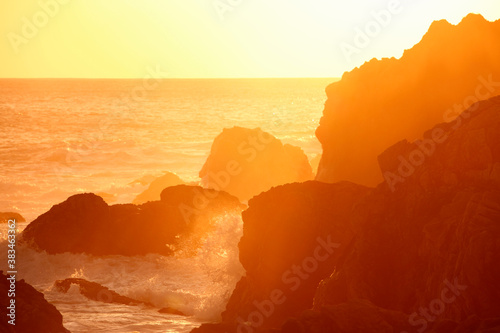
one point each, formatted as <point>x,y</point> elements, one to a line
<point>198,285</point>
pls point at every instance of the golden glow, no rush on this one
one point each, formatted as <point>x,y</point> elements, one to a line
<point>188,38</point>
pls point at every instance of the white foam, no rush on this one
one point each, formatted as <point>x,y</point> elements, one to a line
<point>198,285</point>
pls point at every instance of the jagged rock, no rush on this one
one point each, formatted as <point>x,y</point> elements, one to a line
<point>245,162</point>
<point>172,311</point>
<point>430,239</point>
<point>152,193</point>
<point>96,292</point>
<point>5,217</point>
<point>84,223</point>
<point>215,328</point>
<point>32,312</point>
<point>423,252</point>
<point>292,237</point>
<point>389,100</point>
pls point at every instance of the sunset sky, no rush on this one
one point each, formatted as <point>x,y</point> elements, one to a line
<point>207,38</point>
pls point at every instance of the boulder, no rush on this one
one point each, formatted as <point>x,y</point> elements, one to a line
<point>292,237</point>
<point>84,223</point>
<point>5,217</point>
<point>96,292</point>
<point>171,311</point>
<point>245,162</point>
<point>32,311</point>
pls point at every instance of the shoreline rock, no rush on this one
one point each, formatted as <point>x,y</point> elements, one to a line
<point>5,217</point>
<point>422,255</point>
<point>389,100</point>
<point>84,223</point>
<point>33,312</point>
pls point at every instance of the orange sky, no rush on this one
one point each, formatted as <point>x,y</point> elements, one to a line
<point>212,38</point>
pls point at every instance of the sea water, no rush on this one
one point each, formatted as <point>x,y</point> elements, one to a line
<point>60,137</point>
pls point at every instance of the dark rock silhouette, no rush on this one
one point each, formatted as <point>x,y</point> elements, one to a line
<point>440,226</point>
<point>385,101</point>
<point>152,193</point>
<point>420,254</point>
<point>32,312</point>
<point>84,223</point>
<point>245,162</point>
<point>292,236</point>
<point>5,217</point>
<point>172,311</point>
<point>218,328</point>
<point>96,292</point>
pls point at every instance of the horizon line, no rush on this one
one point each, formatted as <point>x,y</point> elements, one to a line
<point>167,78</point>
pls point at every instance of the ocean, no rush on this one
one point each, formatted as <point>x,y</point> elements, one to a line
<point>60,137</point>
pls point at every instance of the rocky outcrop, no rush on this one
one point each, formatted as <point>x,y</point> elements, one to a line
<point>418,253</point>
<point>245,162</point>
<point>5,217</point>
<point>171,311</point>
<point>385,101</point>
<point>427,239</point>
<point>32,312</point>
<point>292,237</point>
<point>152,193</point>
<point>94,291</point>
<point>84,223</point>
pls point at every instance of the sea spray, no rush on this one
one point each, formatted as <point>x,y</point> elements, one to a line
<point>198,285</point>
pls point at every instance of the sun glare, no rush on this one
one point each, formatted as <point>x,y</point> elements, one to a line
<point>206,38</point>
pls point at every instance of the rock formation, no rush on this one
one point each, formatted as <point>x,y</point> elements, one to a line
<point>245,162</point>
<point>418,253</point>
<point>5,217</point>
<point>434,227</point>
<point>96,292</point>
<point>385,101</point>
<point>32,312</point>
<point>84,223</point>
<point>152,193</point>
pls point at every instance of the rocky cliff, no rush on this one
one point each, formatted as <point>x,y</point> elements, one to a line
<point>32,312</point>
<point>418,253</point>
<point>293,234</point>
<point>385,101</point>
